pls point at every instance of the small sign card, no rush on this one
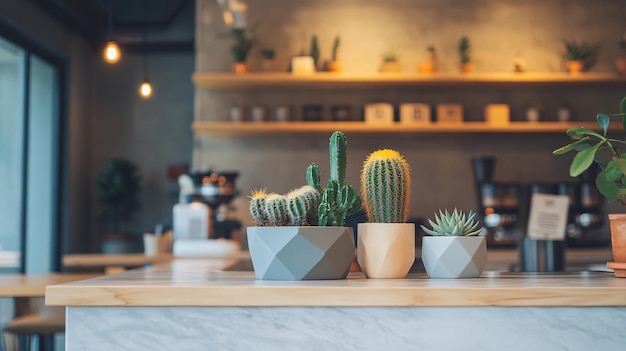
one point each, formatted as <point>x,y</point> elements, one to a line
<point>548,217</point>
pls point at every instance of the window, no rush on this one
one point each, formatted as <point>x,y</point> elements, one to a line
<point>30,129</point>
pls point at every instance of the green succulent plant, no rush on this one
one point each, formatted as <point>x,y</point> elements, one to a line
<point>587,143</point>
<point>456,223</point>
<point>582,51</point>
<point>390,56</point>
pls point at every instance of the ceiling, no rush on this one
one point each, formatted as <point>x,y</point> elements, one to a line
<point>90,18</point>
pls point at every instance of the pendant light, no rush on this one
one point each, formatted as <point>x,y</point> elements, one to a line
<point>112,53</point>
<point>145,89</point>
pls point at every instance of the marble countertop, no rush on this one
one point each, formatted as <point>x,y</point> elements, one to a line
<point>210,283</point>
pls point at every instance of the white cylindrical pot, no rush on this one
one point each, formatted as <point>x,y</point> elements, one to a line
<point>386,250</point>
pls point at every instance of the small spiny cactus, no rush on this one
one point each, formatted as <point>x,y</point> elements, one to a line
<point>276,209</point>
<point>257,206</point>
<point>385,187</point>
<point>455,224</point>
<point>297,208</point>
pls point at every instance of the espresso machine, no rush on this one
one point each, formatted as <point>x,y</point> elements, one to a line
<point>499,204</point>
<point>211,192</point>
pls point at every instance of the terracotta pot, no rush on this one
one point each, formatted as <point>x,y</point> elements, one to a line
<point>427,67</point>
<point>390,67</point>
<point>620,65</point>
<point>334,66</point>
<point>240,67</point>
<point>467,68</point>
<point>618,243</point>
<point>386,250</point>
<point>574,67</point>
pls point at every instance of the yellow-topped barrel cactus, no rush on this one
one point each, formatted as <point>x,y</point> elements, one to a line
<point>386,247</point>
<point>385,187</point>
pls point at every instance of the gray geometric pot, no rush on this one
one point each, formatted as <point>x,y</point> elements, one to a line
<point>301,253</point>
<point>454,256</point>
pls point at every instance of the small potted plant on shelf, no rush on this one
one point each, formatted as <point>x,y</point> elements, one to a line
<point>610,181</point>
<point>386,243</point>
<point>390,63</point>
<point>430,65</point>
<point>267,59</point>
<point>580,56</point>
<point>465,47</point>
<point>315,51</point>
<point>454,249</point>
<point>334,65</point>
<point>301,235</point>
<point>241,48</point>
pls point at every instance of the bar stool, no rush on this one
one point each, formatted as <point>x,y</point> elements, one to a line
<point>37,322</point>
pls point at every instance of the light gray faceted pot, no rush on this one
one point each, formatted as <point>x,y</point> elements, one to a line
<point>301,253</point>
<point>454,256</point>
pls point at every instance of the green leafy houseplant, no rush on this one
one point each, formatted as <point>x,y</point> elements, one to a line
<point>588,143</point>
<point>243,44</point>
<point>582,51</point>
<point>118,188</point>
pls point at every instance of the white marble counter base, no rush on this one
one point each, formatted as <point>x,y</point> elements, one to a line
<point>346,328</point>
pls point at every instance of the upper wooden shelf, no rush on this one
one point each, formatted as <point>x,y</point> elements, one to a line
<point>251,128</point>
<point>368,80</point>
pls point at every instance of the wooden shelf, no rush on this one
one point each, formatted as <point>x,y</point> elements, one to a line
<point>324,80</point>
<point>267,128</point>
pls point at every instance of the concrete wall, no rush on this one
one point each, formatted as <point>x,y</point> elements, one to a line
<point>499,30</point>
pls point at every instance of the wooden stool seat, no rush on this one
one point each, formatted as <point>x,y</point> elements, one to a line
<point>36,324</point>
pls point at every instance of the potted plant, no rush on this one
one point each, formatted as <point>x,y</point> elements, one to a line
<point>267,59</point>
<point>334,65</point>
<point>118,189</point>
<point>390,63</point>
<point>454,249</point>
<point>315,51</point>
<point>301,235</point>
<point>465,57</point>
<point>610,181</point>
<point>580,56</point>
<point>430,65</point>
<point>386,243</point>
<point>240,49</point>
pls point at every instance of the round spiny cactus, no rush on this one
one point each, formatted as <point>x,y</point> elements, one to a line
<point>276,209</point>
<point>257,206</point>
<point>455,224</point>
<point>385,187</point>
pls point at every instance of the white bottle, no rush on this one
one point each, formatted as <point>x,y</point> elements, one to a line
<point>191,221</point>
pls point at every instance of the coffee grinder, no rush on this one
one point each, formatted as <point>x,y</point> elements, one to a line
<point>498,203</point>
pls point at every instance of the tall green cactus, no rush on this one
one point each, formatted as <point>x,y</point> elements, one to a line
<point>276,209</point>
<point>338,199</point>
<point>386,186</point>
<point>313,177</point>
<point>257,206</point>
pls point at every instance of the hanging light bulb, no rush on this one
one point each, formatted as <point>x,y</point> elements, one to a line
<point>112,52</point>
<point>145,90</point>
